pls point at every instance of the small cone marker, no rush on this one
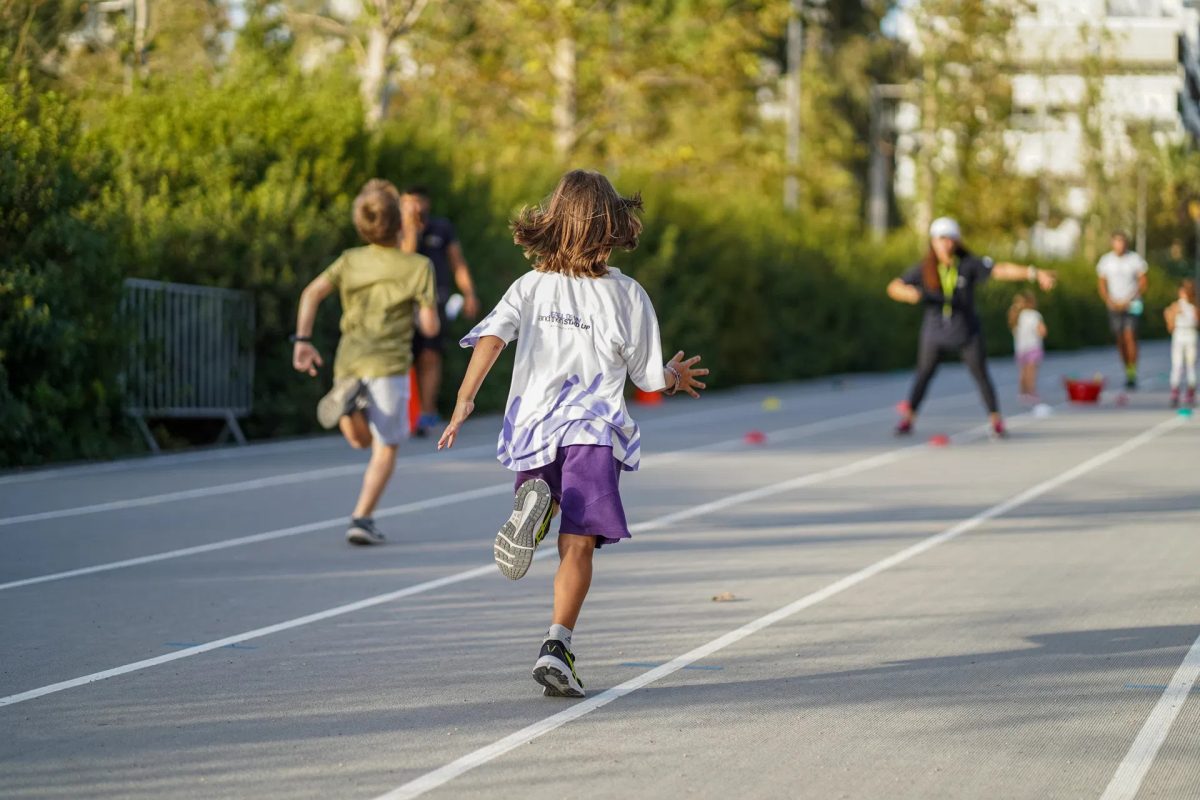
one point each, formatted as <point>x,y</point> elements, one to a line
<point>647,398</point>
<point>755,437</point>
<point>1185,412</point>
<point>771,404</point>
<point>939,440</point>
<point>1122,399</point>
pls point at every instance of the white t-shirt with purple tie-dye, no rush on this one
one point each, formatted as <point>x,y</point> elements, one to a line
<point>577,340</point>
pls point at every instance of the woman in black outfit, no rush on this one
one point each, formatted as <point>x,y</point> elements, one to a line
<point>945,282</point>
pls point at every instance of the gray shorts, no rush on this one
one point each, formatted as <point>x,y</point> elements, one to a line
<point>387,408</point>
<point>1122,321</point>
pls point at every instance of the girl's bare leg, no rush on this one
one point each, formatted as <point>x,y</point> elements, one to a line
<point>574,577</point>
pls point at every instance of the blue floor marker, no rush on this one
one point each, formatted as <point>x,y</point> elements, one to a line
<point>651,665</point>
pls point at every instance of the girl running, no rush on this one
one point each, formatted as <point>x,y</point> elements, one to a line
<point>945,282</point>
<point>581,327</point>
<point>1181,322</point>
<point>1029,330</point>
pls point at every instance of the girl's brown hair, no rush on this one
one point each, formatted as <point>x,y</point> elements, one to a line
<point>377,212</point>
<point>929,266</point>
<point>1024,299</point>
<point>1189,289</point>
<point>583,222</point>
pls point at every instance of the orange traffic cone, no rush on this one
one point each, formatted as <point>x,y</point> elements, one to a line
<point>414,402</point>
<point>647,398</point>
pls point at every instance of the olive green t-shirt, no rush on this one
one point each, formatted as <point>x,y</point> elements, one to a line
<point>380,288</point>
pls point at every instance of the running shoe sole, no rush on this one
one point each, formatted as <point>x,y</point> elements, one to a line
<point>360,536</point>
<point>338,401</point>
<point>556,677</point>
<point>525,529</point>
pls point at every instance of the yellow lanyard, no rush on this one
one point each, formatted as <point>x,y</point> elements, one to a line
<point>949,276</point>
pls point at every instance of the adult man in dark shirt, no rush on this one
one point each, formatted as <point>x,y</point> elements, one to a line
<point>434,238</point>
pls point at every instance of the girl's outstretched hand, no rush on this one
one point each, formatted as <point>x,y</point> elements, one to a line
<point>687,375</point>
<point>462,410</point>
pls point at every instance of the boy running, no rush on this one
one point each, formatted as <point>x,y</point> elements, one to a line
<point>582,328</point>
<point>379,286</point>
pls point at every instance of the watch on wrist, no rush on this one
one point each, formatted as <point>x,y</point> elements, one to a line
<point>296,338</point>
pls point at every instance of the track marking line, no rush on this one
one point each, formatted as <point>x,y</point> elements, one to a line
<point>443,775</point>
<point>797,432</point>
<point>216,490</point>
<point>731,500</point>
<point>343,470</point>
<point>1137,762</point>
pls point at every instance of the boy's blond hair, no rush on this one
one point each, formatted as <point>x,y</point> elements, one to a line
<point>377,212</point>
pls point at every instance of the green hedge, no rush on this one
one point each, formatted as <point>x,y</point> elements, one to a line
<point>59,287</point>
<point>248,184</point>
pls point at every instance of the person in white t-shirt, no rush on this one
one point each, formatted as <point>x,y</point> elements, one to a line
<point>1029,331</point>
<point>582,327</point>
<point>1181,322</point>
<point>1122,279</point>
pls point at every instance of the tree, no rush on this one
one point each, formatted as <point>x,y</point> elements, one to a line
<point>371,34</point>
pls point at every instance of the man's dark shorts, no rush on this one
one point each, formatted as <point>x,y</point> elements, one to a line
<point>435,343</point>
<point>1119,321</point>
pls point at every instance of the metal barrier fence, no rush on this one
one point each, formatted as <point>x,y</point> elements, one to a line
<point>191,354</point>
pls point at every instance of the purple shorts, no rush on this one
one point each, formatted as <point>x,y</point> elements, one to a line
<point>583,480</point>
<point>1031,356</point>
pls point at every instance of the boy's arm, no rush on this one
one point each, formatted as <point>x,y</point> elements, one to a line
<point>428,322</point>
<point>487,350</point>
<point>1169,316</point>
<point>305,357</point>
<point>462,277</point>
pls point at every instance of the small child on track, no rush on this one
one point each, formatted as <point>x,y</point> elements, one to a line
<point>1029,331</point>
<point>1181,322</point>
<point>582,327</point>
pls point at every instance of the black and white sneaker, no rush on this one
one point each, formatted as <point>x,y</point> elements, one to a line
<point>555,670</point>
<point>344,398</point>
<point>362,530</point>
<point>525,529</point>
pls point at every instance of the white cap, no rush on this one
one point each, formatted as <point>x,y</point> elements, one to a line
<point>945,226</point>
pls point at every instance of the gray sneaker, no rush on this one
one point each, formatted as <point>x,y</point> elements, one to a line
<point>344,398</point>
<point>362,530</point>
<point>526,527</point>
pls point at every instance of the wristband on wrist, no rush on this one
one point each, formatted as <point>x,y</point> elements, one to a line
<point>678,379</point>
<point>296,338</point>
<point>1032,273</point>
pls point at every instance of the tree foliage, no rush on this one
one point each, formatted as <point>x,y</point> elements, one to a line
<point>236,167</point>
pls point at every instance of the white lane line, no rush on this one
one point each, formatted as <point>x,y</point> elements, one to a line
<point>223,488</point>
<point>1137,762</point>
<point>458,577</point>
<point>443,775</point>
<point>391,511</point>
<point>800,431</point>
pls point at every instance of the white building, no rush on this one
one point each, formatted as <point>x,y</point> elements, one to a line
<point>1149,51</point>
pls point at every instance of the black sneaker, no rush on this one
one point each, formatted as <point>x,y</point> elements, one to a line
<point>362,530</point>
<point>1131,383</point>
<point>525,529</point>
<point>555,670</point>
<point>344,398</point>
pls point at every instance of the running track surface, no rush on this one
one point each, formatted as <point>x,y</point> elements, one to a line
<point>1016,619</point>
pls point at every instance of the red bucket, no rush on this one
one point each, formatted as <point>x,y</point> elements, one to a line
<point>1083,391</point>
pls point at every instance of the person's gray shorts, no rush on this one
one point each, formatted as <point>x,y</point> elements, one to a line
<point>387,408</point>
<point>1122,321</point>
